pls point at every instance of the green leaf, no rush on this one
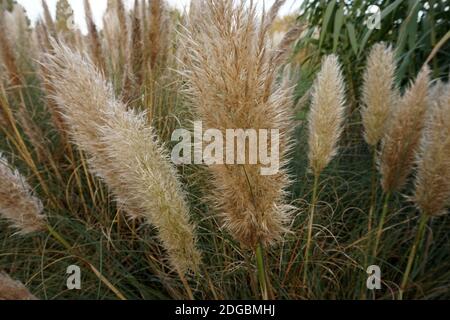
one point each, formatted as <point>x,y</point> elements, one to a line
<point>407,28</point>
<point>302,115</point>
<point>326,20</point>
<point>412,30</point>
<point>338,22</point>
<point>352,37</point>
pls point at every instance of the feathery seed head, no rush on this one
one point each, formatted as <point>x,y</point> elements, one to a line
<point>403,133</point>
<point>13,290</point>
<point>149,183</point>
<point>327,114</point>
<point>432,185</point>
<point>124,152</point>
<point>17,204</point>
<point>231,81</point>
<point>9,59</point>
<point>379,92</point>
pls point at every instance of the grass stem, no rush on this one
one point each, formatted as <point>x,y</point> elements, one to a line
<point>310,227</point>
<point>381,224</point>
<point>412,255</point>
<point>69,248</point>
<point>373,199</point>
<point>261,271</point>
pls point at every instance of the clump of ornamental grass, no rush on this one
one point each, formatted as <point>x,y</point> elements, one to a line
<point>325,126</point>
<point>231,73</point>
<point>432,184</point>
<point>124,152</point>
<point>17,203</point>
<point>401,141</point>
<point>16,84</point>
<point>13,290</point>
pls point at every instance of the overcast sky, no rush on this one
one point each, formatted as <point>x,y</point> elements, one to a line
<point>34,8</point>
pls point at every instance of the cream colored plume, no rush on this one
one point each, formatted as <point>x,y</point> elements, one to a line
<point>17,204</point>
<point>327,114</point>
<point>148,182</point>
<point>231,72</point>
<point>432,194</point>
<point>13,290</point>
<point>403,132</point>
<point>379,92</point>
<point>124,152</point>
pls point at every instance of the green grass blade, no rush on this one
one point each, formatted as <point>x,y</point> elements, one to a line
<point>338,22</point>
<point>326,21</point>
<point>352,37</point>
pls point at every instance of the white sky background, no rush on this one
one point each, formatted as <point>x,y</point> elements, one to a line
<point>34,8</point>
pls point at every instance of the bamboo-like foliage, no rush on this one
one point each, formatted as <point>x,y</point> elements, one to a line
<point>379,93</point>
<point>124,152</point>
<point>432,185</point>
<point>17,204</point>
<point>13,290</point>
<point>231,73</point>
<point>402,135</point>
<point>327,114</point>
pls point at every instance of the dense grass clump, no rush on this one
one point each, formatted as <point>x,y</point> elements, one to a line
<point>86,178</point>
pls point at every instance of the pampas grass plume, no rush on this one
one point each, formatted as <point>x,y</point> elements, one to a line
<point>230,77</point>
<point>13,290</point>
<point>149,182</point>
<point>432,185</point>
<point>124,152</point>
<point>327,114</point>
<point>379,94</point>
<point>403,133</point>
<point>17,204</point>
